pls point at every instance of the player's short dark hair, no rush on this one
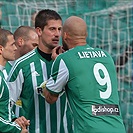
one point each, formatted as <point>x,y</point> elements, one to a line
<point>24,32</point>
<point>4,36</point>
<point>44,16</point>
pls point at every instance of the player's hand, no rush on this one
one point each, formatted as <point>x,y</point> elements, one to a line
<point>24,131</point>
<point>56,51</point>
<point>22,122</point>
<point>41,90</point>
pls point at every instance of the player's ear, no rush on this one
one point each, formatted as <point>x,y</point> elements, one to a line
<point>65,35</point>
<point>20,41</point>
<point>1,48</point>
<point>38,31</point>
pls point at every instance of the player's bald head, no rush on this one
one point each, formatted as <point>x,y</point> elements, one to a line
<point>75,27</point>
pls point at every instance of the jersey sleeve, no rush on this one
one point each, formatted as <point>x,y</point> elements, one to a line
<point>6,126</point>
<point>59,77</point>
<point>15,82</point>
<point>9,127</point>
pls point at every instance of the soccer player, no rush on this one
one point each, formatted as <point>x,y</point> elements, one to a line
<point>89,77</point>
<point>31,70</point>
<point>7,52</point>
<point>26,39</point>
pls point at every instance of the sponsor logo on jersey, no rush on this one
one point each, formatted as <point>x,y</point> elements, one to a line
<point>36,73</point>
<point>105,109</point>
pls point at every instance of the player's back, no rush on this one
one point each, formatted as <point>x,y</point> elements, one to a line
<point>92,90</point>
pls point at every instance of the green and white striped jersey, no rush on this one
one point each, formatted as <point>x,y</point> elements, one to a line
<point>6,126</point>
<point>17,106</point>
<point>89,76</point>
<point>28,72</point>
<point>7,68</point>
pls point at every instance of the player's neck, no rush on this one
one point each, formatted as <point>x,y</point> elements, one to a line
<point>45,55</point>
<point>2,61</point>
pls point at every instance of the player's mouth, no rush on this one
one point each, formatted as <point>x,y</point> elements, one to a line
<point>55,41</point>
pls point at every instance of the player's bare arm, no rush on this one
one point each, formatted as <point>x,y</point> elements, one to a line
<point>50,97</point>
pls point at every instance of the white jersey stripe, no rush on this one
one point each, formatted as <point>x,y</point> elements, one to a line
<point>34,81</point>
<point>58,115</point>
<point>65,119</point>
<point>48,125</point>
<point>17,110</point>
<point>9,111</point>
<point>47,106</point>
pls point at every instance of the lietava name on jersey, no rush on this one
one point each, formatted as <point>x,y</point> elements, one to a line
<point>91,54</point>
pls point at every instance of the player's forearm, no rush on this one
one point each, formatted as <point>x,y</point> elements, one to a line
<point>50,98</point>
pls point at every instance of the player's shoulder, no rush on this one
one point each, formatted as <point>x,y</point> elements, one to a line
<point>25,59</point>
<point>22,63</point>
<point>100,49</point>
<point>2,77</point>
<point>1,74</point>
<point>71,52</point>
